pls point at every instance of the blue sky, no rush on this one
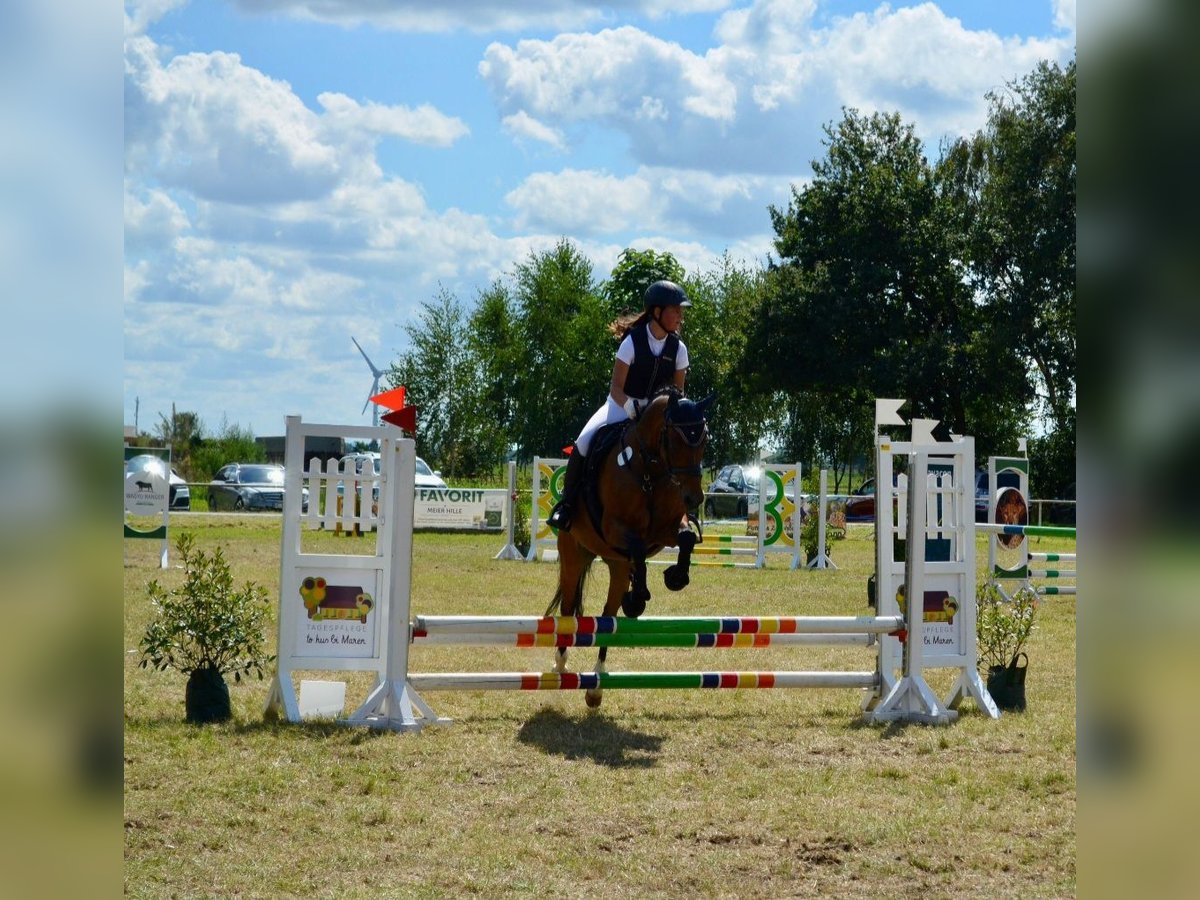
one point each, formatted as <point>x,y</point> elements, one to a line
<point>298,172</point>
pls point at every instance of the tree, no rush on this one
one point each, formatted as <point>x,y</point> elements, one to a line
<point>561,361</point>
<point>635,271</point>
<point>232,443</point>
<point>182,432</point>
<point>1016,183</point>
<point>439,374</point>
<point>724,304</point>
<point>870,298</point>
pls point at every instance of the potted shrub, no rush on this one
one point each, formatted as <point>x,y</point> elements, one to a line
<point>206,630</point>
<point>1002,628</point>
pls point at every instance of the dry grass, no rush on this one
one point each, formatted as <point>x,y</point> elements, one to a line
<point>659,794</point>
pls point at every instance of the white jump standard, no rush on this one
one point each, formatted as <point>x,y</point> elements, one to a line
<point>354,612</point>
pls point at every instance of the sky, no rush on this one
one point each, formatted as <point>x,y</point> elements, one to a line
<point>298,173</point>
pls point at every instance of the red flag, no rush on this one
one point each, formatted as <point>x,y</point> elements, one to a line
<point>393,399</point>
<point>405,418</point>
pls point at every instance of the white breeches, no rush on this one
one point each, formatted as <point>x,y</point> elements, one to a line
<point>606,414</point>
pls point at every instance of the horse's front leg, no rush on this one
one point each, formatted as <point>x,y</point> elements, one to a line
<point>676,577</point>
<point>618,580</point>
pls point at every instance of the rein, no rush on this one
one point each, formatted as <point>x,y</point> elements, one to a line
<point>694,436</point>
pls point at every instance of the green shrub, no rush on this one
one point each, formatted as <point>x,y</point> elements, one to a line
<point>206,630</point>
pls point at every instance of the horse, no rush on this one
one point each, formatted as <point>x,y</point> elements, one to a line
<point>644,486</point>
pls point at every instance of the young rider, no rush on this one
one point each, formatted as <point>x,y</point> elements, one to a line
<point>650,356</point>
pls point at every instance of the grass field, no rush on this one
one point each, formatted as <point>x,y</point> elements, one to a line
<point>657,794</point>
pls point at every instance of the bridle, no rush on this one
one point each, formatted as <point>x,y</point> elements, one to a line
<point>656,463</point>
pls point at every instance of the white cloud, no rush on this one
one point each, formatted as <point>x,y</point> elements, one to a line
<point>475,15</point>
<point>522,125</point>
<point>751,104</point>
<point>423,125</point>
<point>610,76</point>
<point>140,14</point>
<point>222,130</point>
<point>671,201</point>
<point>1064,14</point>
<point>152,219</point>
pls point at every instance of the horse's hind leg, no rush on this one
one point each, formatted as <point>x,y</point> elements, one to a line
<point>573,564</point>
<point>618,582</point>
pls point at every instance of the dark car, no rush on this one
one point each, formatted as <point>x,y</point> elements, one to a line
<point>248,486</point>
<point>180,497</point>
<point>860,505</point>
<point>734,492</point>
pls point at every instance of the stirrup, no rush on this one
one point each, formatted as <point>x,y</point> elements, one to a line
<point>560,517</point>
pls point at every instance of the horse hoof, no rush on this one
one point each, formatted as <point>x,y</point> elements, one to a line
<point>632,606</point>
<point>676,578</point>
<point>593,698</point>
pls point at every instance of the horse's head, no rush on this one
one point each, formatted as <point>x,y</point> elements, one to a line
<point>683,437</point>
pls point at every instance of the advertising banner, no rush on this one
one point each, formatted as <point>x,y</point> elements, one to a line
<point>460,508</point>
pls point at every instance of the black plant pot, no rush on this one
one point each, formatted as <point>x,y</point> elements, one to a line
<point>206,698</point>
<point>1006,684</point>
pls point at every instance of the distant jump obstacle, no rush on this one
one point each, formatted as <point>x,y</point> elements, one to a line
<point>777,533</point>
<point>1009,557</point>
<point>933,506</point>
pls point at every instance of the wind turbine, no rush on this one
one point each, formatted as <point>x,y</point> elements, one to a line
<point>378,373</point>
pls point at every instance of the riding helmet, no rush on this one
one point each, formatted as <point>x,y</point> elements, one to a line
<point>665,293</point>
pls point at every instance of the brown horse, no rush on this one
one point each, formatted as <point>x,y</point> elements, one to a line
<point>644,486</point>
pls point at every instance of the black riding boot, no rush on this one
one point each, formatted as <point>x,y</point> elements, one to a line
<point>564,510</point>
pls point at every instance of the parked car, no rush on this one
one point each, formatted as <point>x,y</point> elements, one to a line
<point>180,494</point>
<point>359,463</point>
<point>734,492</point>
<point>248,486</point>
<point>860,505</point>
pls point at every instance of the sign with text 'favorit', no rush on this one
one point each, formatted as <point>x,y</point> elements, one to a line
<point>459,508</point>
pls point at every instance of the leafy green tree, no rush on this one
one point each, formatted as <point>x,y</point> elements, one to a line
<point>1015,182</point>
<point>635,271</point>
<point>724,304</point>
<point>232,443</point>
<point>492,344</point>
<point>182,432</point>
<point>440,375</point>
<point>561,361</point>
<point>870,297</point>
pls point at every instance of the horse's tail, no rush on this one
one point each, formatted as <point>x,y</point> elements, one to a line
<point>556,603</point>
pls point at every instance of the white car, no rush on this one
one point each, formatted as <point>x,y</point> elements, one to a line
<point>358,463</point>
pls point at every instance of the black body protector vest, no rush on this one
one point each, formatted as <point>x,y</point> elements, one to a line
<point>648,372</point>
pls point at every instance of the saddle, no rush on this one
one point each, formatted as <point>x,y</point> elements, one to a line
<point>606,438</point>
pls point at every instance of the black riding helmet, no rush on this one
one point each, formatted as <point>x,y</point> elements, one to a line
<point>662,294</point>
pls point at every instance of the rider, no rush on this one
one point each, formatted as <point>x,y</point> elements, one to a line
<point>650,356</point>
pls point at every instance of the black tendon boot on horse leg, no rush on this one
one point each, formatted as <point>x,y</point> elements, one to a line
<point>564,510</point>
<point>676,577</point>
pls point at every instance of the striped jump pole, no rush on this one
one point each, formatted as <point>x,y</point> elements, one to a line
<point>575,681</point>
<point>1053,589</point>
<point>726,641</point>
<point>657,625</point>
<point>1052,557</point>
<point>1052,573</point>
<point>1030,530</point>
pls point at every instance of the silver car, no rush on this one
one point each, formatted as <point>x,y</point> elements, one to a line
<point>248,486</point>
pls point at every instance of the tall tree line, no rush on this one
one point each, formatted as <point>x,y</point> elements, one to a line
<point>949,283</point>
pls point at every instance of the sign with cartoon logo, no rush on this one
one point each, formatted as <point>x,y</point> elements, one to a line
<point>339,613</point>
<point>147,491</point>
